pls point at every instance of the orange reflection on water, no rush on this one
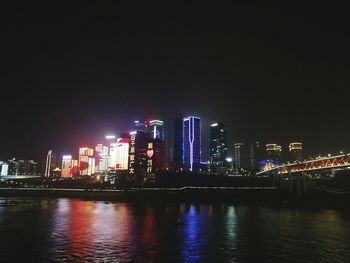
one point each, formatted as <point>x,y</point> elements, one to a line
<point>95,230</point>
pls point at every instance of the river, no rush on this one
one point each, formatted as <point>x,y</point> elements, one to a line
<point>73,230</point>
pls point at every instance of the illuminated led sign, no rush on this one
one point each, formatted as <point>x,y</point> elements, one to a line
<point>150,153</point>
<point>132,153</point>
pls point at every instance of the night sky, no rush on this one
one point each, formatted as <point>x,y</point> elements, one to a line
<point>72,73</point>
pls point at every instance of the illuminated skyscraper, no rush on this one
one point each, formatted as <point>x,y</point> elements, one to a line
<point>32,167</point>
<point>101,155</point>
<point>218,145</point>
<point>138,155</point>
<point>140,126</point>
<point>86,161</point>
<point>156,129</point>
<point>296,152</point>
<point>13,166</point>
<point>119,154</point>
<point>255,155</point>
<point>155,158</point>
<point>274,152</point>
<point>174,143</point>
<point>192,143</point>
<point>239,155</point>
<point>51,163</point>
<point>69,166</point>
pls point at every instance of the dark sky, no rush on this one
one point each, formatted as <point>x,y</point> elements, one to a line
<point>73,72</point>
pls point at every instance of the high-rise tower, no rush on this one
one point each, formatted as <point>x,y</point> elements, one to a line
<point>174,143</point>
<point>218,145</point>
<point>51,163</point>
<point>192,143</point>
<point>156,129</point>
<point>296,152</point>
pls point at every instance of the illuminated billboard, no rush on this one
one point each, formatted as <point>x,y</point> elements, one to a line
<point>155,156</point>
<point>150,154</point>
<point>132,151</point>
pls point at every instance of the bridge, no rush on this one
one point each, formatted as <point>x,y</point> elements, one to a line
<point>324,163</point>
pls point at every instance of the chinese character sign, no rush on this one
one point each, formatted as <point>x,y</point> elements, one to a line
<point>132,154</point>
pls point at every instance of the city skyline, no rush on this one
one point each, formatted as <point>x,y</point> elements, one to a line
<point>205,141</point>
<point>173,145</point>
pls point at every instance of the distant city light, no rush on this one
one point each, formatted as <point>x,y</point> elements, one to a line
<point>229,159</point>
<point>66,157</point>
<point>214,125</point>
<point>133,132</point>
<point>108,137</point>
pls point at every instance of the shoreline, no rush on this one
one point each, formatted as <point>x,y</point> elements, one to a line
<point>131,193</point>
<point>236,195</point>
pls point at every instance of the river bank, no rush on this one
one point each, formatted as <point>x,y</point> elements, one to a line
<point>235,195</point>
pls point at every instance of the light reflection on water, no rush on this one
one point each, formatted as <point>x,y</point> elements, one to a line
<point>193,240</point>
<point>71,230</point>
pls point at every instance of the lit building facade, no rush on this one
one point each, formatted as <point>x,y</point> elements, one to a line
<point>138,147</point>
<point>13,167</point>
<point>4,167</point>
<point>21,167</point>
<point>174,143</point>
<point>86,161</point>
<point>155,156</point>
<point>274,152</point>
<point>69,166</point>
<point>239,154</point>
<point>141,126</point>
<point>218,146</point>
<point>51,163</point>
<point>255,155</point>
<point>156,129</point>
<point>192,143</point>
<point>296,152</point>
<point>32,167</point>
<point>118,155</point>
<point>101,158</point>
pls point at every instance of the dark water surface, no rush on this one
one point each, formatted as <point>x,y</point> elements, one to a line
<point>71,230</point>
